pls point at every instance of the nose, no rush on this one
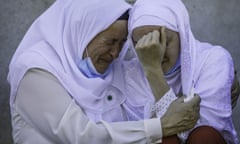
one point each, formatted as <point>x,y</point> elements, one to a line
<point>114,52</point>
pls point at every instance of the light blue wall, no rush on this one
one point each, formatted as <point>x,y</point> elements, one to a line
<point>215,21</point>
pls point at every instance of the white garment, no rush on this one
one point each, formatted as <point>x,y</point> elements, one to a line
<point>44,113</point>
<point>206,67</point>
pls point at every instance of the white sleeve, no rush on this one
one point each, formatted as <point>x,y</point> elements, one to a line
<point>160,107</point>
<point>49,109</point>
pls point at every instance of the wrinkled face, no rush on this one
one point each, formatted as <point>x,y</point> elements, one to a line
<point>172,47</point>
<point>106,46</point>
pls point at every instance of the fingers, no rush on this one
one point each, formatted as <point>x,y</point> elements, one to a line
<point>155,37</point>
<point>149,47</point>
<point>196,99</point>
<point>163,37</point>
<point>181,99</point>
<point>140,42</point>
<point>148,39</point>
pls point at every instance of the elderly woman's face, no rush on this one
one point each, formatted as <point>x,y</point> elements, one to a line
<point>106,46</point>
<point>172,46</point>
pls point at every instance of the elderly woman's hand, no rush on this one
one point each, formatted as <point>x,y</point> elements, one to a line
<point>181,116</point>
<point>151,50</point>
<point>235,91</point>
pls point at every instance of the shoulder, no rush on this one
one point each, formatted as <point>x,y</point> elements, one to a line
<point>41,82</point>
<point>214,51</point>
<point>39,77</point>
<point>213,61</point>
<point>213,54</point>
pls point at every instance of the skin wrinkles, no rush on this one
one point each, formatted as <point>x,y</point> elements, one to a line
<point>172,46</point>
<point>107,45</point>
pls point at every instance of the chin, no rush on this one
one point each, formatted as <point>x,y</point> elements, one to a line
<point>102,70</point>
<point>165,69</point>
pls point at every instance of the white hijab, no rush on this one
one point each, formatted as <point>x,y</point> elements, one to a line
<point>56,41</point>
<point>173,15</point>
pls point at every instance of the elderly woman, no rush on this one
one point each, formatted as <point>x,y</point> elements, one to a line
<point>70,84</point>
<point>175,63</point>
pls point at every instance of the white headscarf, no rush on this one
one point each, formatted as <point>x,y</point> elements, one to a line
<point>173,15</point>
<point>56,41</point>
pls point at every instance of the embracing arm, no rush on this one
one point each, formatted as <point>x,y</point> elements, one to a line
<point>49,109</point>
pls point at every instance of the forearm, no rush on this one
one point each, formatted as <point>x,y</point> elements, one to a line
<point>157,82</point>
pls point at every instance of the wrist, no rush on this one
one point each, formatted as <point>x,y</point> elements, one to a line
<point>157,81</point>
<point>164,123</point>
<point>154,69</point>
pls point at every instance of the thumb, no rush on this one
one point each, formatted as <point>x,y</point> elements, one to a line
<point>196,99</point>
<point>163,37</point>
<point>180,99</point>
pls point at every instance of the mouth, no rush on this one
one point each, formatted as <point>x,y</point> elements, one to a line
<point>105,61</point>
